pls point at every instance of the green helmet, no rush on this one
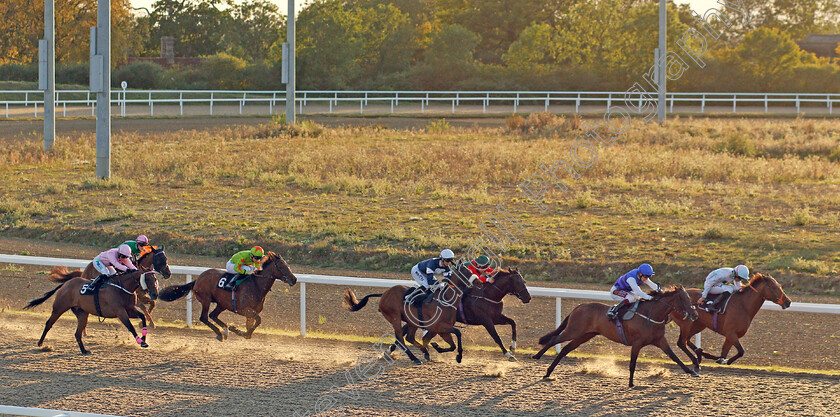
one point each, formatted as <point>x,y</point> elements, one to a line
<point>257,252</point>
<point>482,261</point>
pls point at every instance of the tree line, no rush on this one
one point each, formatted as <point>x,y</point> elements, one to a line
<point>431,44</point>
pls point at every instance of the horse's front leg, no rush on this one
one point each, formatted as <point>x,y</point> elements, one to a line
<point>123,317</point>
<point>137,314</point>
<point>214,315</point>
<point>251,324</point>
<point>503,319</point>
<point>142,300</point>
<point>663,344</point>
<point>491,329</point>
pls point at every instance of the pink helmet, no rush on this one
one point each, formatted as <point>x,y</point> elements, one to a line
<point>142,239</point>
<point>124,250</point>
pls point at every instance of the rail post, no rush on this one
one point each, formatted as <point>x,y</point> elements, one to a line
<point>697,340</point>
<point>558,319</point>
<point>303,309</point>
<point>189,303</point>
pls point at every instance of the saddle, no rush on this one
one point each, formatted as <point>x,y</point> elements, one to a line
<point>627,312</point>
<point>718,300</point>
<point>228,281</point>
<point>409,293</point>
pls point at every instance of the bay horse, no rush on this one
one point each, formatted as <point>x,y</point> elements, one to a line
<point>250,295</point>
<point>153,260</point>
<point>482,305</point>
<point>647,327</point>
<point>116,300</point>
<point>733,325</point>
<point>440,316</point>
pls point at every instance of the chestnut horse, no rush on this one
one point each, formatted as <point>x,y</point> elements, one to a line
<point>439,316</point>
<point>733,325</point>
<point>116,300</point>
<point>647,327</point>
<point>153,260</point>
<point>250,294</point>
<point>482,305</point>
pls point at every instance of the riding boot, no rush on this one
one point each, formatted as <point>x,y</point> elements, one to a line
<point>97,282</point>
<point>612,313</point>
<point>711,306</point>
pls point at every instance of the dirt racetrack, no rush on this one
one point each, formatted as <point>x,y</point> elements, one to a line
<point>187,373</point>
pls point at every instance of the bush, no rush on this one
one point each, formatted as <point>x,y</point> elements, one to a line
<point>185,78</point>
<point>226,72</point>
<point>140,74</point>
<point>583,199</point>
<point>78,74</point>
<point>738,144</point>
<point>18,72</point>
<point>262,75</point>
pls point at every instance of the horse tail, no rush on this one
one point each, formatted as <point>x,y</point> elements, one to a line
<point>353,304</point>
<point>61,274</point>
<point>547,338</point>
<point>175,292</point>
<point>38,301</point>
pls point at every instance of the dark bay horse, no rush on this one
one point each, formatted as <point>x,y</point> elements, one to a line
<point>646,328</point>
<point>250,294</point>
<point>154,260</point>
<point>439,316</point>
<point>482,305</point>
<point>733,325</point>
<point>116,300</point>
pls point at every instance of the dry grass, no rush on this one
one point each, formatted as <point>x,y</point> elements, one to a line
<point>695,194</point>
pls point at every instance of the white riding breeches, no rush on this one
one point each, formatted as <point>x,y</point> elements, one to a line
<point>419,277</point>
<point>102,268</point>
<point>722,288</point>
<point>231,267</point>
<point>619,295</point>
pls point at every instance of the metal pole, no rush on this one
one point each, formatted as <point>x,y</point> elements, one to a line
<point>103,97</point>
<point>558,319</point>
<point>303,309</point>
<point>697,340</point>
<point>49,94</point>
<point>290,86</point>
<point>660,67</point>
<point>189,303</point>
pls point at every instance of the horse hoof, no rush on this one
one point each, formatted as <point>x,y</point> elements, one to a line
<point>144,345</point>
<point>417,362</point>
<point>220,338</point>
<point>510,357</point>
<point>535,356</point>
<point>721,361</point>
<point>694,374</point>
<point>427,357</point>
<point>548,378</point>
<point>85,352</point>
<point>458,358</point>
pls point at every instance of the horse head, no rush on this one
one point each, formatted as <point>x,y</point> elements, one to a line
<point>277,268</point>
<point>511,282</point>
<point>770,289</point>
<point>160,263</point>
<point>679,300</point>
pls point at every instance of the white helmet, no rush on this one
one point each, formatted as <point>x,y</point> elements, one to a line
<point>447,254</point>
<point>741,271</point>
<point>124,250</point>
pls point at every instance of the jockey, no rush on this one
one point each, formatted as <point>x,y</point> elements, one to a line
<point>111,261</point>
<point>481,270</point>
<point>138,246</point>
<point>626,288</point>
<point>723,280</point>
<point>246,262</point>
<point>424,273</point>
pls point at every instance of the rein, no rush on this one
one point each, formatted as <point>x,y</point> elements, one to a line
<point>667,313</point>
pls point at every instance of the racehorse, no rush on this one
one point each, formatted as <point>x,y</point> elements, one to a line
<point>647,327</point>
<point>247,300</point>
<point>439,313</point>
<point>734,323</point>
<point>482,305</point>
<point>115,299</point>
<point>153,260</point>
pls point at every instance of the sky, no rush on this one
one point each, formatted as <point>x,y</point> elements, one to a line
<point>699,6</point>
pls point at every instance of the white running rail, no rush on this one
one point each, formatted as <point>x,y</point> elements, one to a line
<point>45,412</point>
<point>389,101</point>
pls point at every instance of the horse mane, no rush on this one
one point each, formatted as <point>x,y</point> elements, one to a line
<point>758,277</point>
<point>671,290</point>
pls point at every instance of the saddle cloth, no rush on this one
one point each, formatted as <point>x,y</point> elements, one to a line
<point>628,311</point>
<point>227,280</point>
<point>87,289</point>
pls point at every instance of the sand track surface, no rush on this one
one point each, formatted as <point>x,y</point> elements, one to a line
<point>186,372</point>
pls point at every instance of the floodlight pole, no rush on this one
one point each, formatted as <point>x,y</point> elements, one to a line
<point>47,73</point>
<point>101,83</point>
<point>290,85</point>
<point>660,64</point>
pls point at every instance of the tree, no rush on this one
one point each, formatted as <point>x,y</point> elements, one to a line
<point>255,27</point>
